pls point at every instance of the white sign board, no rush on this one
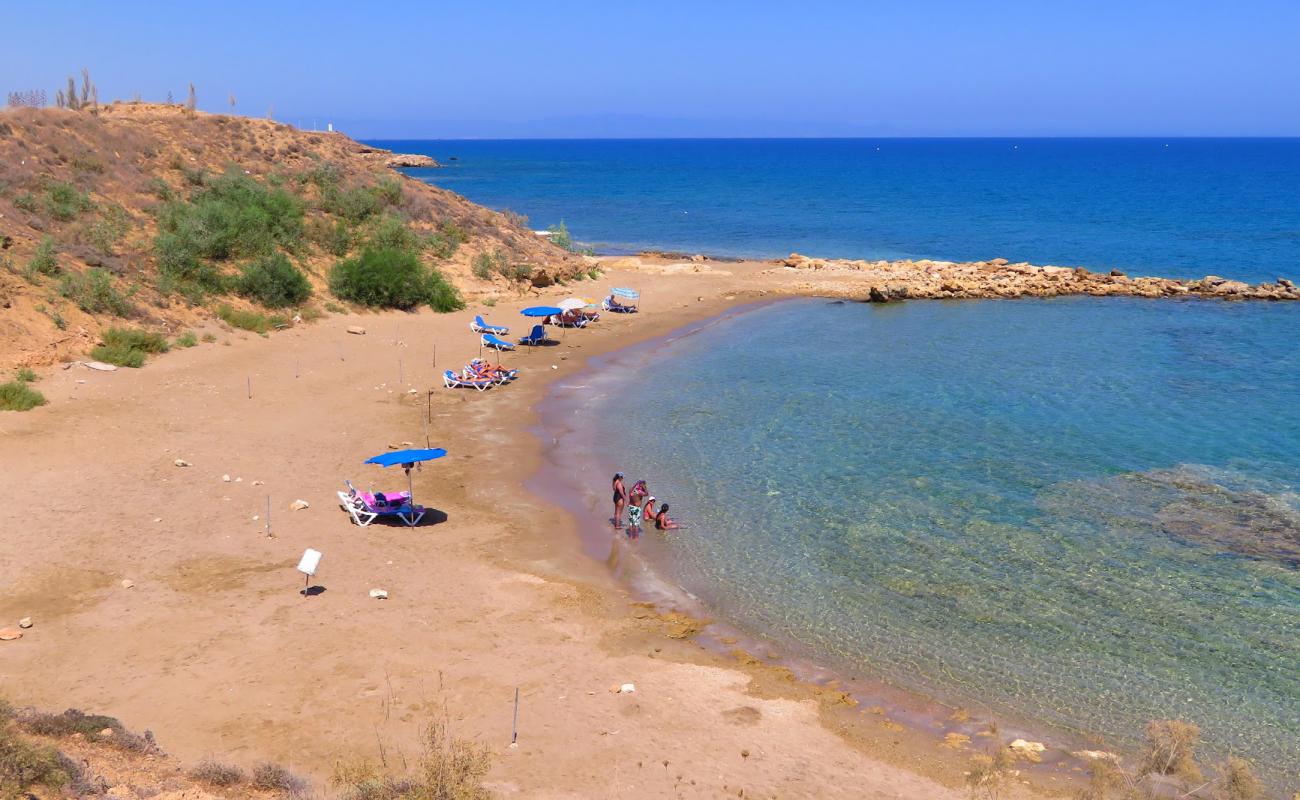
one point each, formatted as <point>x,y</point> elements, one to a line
<point>310,561</point>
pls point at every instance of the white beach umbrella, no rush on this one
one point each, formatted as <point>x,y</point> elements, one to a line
<point>572,303</point>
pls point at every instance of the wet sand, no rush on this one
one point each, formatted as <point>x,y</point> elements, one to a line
<point>215,650</point>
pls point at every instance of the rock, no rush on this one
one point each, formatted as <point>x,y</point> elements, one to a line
<point>1030,751</point>
<point>1115,273</point>
<point>1095,755</point>
<point>699,257</point>
<point>298,505</point>
<point>180,462</point>
<point>1284,282</point>
<point>10,634</point>
<point>106,732</point>
<point>411,160</point>
<point>25,622</point>
<point>127,583</point>
<point>100,366</point>
<point>379,594</point>
<point>225,478</point>
<point>627,688</point>
<point>356,330</point>
<point>258,483</point>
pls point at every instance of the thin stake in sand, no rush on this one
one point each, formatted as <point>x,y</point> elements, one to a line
<point>268,517</point>
<point>514,726</point>
<point>250,387</point>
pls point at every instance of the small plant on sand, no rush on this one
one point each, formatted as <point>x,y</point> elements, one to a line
<point>273,281</point>
<point>559,235</point>
<point>484,266</point>
<point>24,766</point>
<point>65,202</point>
<point>214,773</point>
<point>128,347</point>
<point>90,727</point>
<point>269,777</point>
<point>450,768</point>
<point>250,320</point>
<point>444,242</point>
<point>489,301</point>
<point>187,339</point>
<point>988,774</point>
<point>25,375</point>
<point>209,338</point>
<point>45,261</point>
<point>1237,781</point>
<point>16,395</point>
<point>93,292</point>
<point>1171,750</point>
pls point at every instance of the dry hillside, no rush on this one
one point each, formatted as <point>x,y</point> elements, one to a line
<point>85,195</point>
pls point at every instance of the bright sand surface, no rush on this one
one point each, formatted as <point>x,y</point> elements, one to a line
<point>215,650</point>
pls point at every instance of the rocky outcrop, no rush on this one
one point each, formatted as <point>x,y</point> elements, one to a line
<point>887,281</point>
<point>411,160</point>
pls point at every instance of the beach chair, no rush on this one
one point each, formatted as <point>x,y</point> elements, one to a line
<point>535,337</point>
<point>453,381</point>
<point>490,340</point>
<point>479,326</point>
<point>365,508</point>
<point>571,319</point>
<point>612,304</point>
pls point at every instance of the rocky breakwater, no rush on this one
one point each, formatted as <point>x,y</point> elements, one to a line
<point>885,281</point>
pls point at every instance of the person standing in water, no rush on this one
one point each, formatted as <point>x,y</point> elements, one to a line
<point>638,494</point>
<point>620,499</point>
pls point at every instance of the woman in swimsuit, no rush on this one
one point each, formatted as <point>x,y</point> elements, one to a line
<point>620,499</point>
<point>648,511</point>
<point>662,521</point>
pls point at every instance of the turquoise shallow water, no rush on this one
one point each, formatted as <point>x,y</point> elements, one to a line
<point>1079,511</point>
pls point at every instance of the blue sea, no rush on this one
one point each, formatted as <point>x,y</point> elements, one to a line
<point>1175,207</point>
<point>1083,512</point>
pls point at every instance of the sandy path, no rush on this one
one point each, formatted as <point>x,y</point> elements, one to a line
<point>215,650</point>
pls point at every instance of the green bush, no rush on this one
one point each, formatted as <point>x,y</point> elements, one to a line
<point>187,339</point>
<point>24,765</point>
<point>231,216</point>
<point>273,282</point>
<point>108,230</point>
<point>18,396</point>
<point>251,320</point>
<point>360,203</point>
<point>334,238</point>
<point>27,202</point>
<point>560,236</point>
<point>392,278</point>
<point>94,293</point>
<point>45,260</point>
<point>25,375</point>
<point>64,202</point>
<point>447,239</point>
<point>390,232</point>
<point>483,265</point>
<point>128,347</point>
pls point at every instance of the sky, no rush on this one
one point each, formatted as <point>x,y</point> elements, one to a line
<point>569,69</point>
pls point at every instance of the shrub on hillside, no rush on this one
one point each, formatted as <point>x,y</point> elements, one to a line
<point>24,765</point>
<point>250,320</point>
<point>215,773</point>
<point>392,278</point>
<point>94,293</point>
<point>232,216</point>
<point>64,202</point>
<point>390,232</point>
<point>128,347</point>
<point>447,239</point>
<point>273,281</point>
<point>334,238</point>
<point>45,260</point>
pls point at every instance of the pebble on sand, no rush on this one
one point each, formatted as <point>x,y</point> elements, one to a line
<point>180,462</point>
<point>356,330</point>
<point>379,594</point>
<point>299,505</point>
<point>127,583</point>
<point>25,622</point>
<point>9,634</point>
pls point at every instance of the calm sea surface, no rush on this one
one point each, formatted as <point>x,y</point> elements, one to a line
<point>1082,511</point>
<point>1178,207</point>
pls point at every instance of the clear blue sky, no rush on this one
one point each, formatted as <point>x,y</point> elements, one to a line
<point>490,68</point>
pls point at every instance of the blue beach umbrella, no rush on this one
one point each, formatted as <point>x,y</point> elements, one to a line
<point>543,312</point>
<point>408,459</point>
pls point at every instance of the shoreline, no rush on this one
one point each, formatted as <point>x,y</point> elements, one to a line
<point>493,598</point>
<point>500,595</point>
<point>858,694</point>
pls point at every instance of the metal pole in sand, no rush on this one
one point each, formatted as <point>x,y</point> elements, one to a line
<point>401,376</point>
<point>514,726</point>
<point>250,387</point>
<point>268,516</point>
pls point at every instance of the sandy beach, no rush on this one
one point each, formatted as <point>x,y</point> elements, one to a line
<point>214,649</point>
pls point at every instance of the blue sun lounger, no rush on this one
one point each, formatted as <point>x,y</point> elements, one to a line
<point>500,344</point>
<point>479,326</point>
<point>537,336</point>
